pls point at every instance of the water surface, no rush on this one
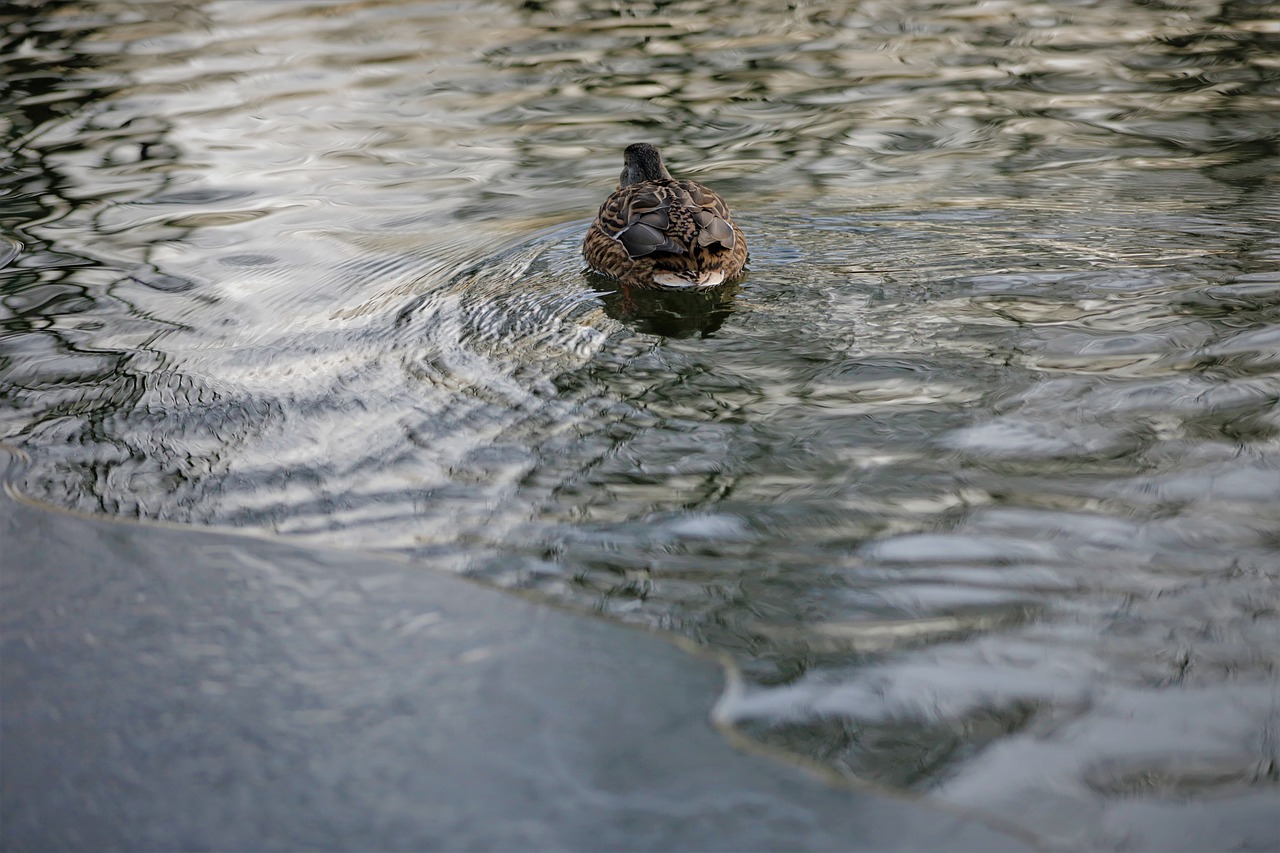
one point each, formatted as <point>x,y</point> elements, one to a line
<point>977,472</point>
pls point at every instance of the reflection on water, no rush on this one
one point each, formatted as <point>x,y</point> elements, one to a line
<point>977,471</point>
<point>668,314</point>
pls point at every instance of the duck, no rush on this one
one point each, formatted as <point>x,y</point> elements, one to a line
<point>655,232</point>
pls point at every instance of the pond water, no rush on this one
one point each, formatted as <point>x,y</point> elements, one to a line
<point>977,473</point>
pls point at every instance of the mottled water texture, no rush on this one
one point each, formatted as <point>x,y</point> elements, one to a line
<point>977,473</point>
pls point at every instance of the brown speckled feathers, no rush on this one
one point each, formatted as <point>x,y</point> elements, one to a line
<point>657,232</point>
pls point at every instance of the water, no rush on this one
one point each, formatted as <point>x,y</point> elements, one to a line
<point>977,473</point>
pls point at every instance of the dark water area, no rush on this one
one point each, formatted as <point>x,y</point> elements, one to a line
<point>977,473</point>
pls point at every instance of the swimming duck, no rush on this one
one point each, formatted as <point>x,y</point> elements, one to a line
<point>657,232</point>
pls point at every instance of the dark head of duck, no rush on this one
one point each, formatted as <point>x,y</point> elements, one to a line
<point>642,162</point>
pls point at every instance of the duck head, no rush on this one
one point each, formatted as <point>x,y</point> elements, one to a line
<point>642,162</point>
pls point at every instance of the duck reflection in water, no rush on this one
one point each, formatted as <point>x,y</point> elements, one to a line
<point>672,314</point>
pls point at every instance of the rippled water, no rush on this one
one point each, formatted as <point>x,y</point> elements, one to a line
<point>977,472</point>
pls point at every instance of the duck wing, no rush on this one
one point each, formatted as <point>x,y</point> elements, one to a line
<point>671,217</point>
<point>710,215</point>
